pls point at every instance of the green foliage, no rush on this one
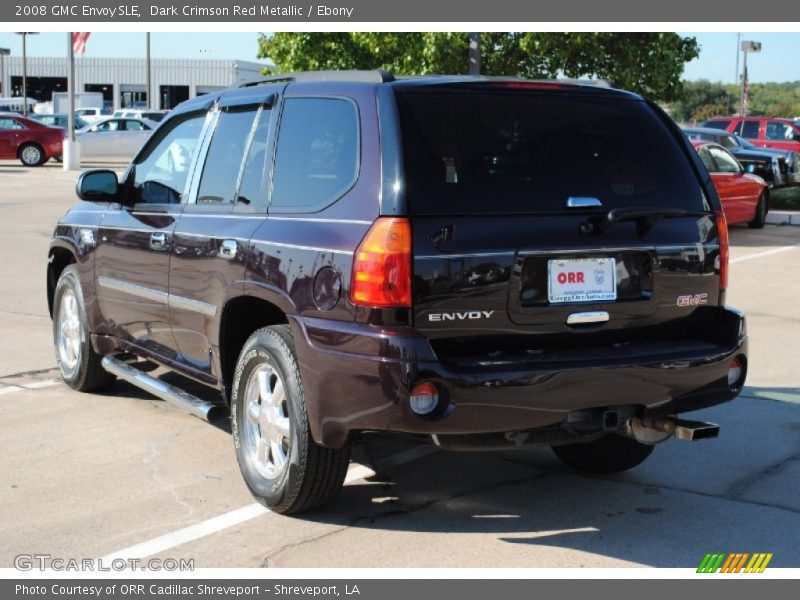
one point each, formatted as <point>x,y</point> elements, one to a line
<point>648,63</point>
<point>703,99</point>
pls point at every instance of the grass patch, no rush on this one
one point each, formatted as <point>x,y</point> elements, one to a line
<point>785,199</point>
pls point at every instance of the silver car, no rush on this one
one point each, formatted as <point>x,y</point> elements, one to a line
<point>114,139</point>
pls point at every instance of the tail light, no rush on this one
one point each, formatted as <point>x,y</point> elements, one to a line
<point>722,228</point>
<point>382,265</point>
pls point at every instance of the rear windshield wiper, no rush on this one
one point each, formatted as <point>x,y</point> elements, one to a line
<point>645,217</point>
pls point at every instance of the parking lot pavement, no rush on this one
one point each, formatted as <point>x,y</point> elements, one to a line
<point>118,474</point>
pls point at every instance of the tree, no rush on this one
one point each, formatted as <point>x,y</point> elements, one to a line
<point>648,63</point>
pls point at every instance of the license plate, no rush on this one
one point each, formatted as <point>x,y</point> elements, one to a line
<point>581,280</point>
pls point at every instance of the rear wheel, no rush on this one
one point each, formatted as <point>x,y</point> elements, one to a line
<point>761,213</point>
<point>282,465</point>
<point>609,454</point>
<point>31,155</point>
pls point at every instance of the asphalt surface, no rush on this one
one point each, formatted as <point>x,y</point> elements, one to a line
<point>123,474</point>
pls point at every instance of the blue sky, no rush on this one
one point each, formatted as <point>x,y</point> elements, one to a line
<point>778,60</point>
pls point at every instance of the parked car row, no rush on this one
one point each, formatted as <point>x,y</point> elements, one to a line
<point>778,168</point>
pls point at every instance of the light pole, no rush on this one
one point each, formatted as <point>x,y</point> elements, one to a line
<point>747,46</point>
<point>149,103</point>
<point>3,53</point>
<point>25,35</point>
<point>475,53</point>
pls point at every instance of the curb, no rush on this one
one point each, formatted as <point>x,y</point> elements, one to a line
<point>783,217</point>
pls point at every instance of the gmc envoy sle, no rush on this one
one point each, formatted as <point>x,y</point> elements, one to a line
<point>482,263</point>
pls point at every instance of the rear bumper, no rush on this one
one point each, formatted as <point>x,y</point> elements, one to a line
<point>358,377</point>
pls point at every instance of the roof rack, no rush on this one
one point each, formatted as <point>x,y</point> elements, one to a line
<point>378,76</point>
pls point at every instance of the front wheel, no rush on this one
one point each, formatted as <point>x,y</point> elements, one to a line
<point>610,454</point>
<point>761,213</point>
<point>80,365</point>
<point>282,465</point>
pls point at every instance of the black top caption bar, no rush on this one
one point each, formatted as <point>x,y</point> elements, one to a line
<point>451,11</point>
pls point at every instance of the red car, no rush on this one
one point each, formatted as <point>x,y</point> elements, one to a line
<point>31,142</point>
<point>768,132</point>
<point>744,196</point>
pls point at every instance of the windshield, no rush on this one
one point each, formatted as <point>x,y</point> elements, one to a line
<point>489,152</point>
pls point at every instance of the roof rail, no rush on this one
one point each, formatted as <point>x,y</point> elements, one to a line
<point>378,76</point>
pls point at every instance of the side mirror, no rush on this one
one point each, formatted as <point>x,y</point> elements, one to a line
<point>97,185</point>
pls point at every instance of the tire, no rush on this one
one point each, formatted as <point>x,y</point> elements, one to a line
<point>79,364</point>
<point>31,155</point>
<point>294,474</point>
<point>761,213</point>
<point>610,454</point>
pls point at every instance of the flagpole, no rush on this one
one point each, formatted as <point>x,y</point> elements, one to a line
<point>71,151</point>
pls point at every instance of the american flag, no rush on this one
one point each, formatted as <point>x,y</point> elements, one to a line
<point>745,90</point>
<point>79,42</point>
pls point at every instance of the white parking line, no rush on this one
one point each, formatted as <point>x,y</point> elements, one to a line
<point>9,389</point>
<point>765,253</point>
<point>41,384</point>
<point>240,515</point>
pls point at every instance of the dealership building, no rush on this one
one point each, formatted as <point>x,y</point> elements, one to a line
<point>123,81</point>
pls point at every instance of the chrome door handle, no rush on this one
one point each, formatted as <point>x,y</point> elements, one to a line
<point>227,249</point>
<point>158,240</point>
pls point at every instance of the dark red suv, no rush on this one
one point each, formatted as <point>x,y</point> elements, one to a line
<point>769,132</point>
<point>482,263</point>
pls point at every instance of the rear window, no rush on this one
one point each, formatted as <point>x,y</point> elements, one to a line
<point>718,123</point>
<point>491,153</point>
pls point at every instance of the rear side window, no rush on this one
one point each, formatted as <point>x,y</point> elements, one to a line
<point>317,155</point>
<point>224,158</point>
<point>779,131</point>
<point>490,153</point>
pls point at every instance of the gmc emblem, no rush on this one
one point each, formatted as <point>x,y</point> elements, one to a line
<point>693,300</point>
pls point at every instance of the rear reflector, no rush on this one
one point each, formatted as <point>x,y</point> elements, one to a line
<point>734,372</point>
<point>382,265</point>
<point>722,229</point>
<point>424,398</point>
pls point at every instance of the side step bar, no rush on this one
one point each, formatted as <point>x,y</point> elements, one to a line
<point>208,411</point>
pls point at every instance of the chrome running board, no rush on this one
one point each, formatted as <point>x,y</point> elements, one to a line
<point>208,411</point>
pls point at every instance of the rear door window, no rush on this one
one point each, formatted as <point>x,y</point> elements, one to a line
<point>512,152</point>
<point>224,159</point>
<point>748,129</point>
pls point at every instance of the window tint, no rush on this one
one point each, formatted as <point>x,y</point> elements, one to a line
<point>518,152</point>
<point>725,162</point>
<point>253,188</point>
<point>317,155</point>
<point>224,158</point>
<point>748,129</point>
<point>8,124</point>
<point>721,124</point>
<point>162,168</point>
<point>778,131</point>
